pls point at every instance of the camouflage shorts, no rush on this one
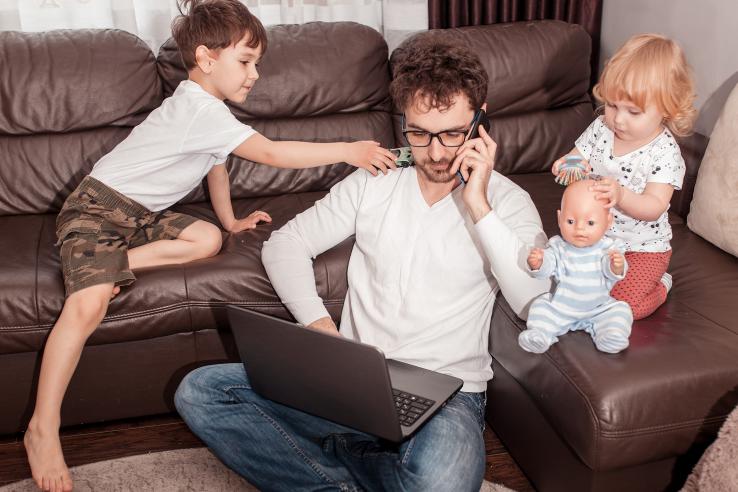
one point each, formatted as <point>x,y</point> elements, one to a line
<point>96,227</point>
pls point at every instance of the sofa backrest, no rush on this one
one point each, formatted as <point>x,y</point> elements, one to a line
<point>318,82</point>
<point>537,98</point>
<point>66,98</point>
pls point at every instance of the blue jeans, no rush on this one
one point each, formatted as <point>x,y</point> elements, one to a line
<point>279,448</point>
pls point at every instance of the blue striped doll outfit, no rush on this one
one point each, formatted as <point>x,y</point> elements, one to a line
<point>581,299</point>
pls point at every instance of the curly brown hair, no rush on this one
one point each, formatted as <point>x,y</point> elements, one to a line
<point>216,24</point>
<point>431,71</point>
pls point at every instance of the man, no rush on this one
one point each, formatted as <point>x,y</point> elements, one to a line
<point>429,258</point>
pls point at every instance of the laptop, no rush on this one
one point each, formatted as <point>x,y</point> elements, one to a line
<point>341,380</point>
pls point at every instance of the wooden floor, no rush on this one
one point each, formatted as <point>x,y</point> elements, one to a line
<point>88,444</point>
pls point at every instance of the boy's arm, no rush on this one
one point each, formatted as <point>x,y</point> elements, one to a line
<point>219,186</point>
<point>299,155</point>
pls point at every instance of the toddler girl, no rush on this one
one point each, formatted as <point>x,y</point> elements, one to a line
<point>648,95</point>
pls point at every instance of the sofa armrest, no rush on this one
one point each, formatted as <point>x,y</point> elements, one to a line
<point>693,149</point>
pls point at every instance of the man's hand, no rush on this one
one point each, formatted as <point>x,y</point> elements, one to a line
<point>617,262</point>
<point>369,155</point>
<point>476,160</point>
<point>608,189</point>
<point>249,222</point>
<point>535,258</point>
<point>326,325</point>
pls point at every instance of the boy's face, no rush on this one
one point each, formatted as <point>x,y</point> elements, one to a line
<point>233,70</point>
<point>583,219</point>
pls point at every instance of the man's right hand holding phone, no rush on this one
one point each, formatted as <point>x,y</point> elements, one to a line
<point>475,159</point>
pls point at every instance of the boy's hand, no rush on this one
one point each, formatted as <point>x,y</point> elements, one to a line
<point>250,221</point>
<point>535,258</point>
<point>369,155</point>
<point>617,262</point>
<point>608,189</point>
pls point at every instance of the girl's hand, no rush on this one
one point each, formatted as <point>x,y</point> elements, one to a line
<point>535,258</point>
<point>617,262</point>
<point>369,155</point>
<point>250,222</point>
<point>608,189</point>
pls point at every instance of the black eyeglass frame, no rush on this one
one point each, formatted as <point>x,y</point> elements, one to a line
<point>432,135</point>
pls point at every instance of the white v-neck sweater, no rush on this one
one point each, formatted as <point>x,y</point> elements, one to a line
<point>422,279</point>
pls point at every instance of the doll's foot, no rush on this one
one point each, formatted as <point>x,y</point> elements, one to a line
<point>116,291</point>
<point>534,341</point>
<point>610,340</point>
<point>45,456</point>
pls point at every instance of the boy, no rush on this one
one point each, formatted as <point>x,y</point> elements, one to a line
<point>117,219</point>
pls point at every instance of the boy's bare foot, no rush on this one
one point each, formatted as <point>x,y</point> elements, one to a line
<point>45,456</point>
<point>116,291</point>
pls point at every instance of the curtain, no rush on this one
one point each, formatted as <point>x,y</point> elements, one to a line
<point>457,13</point>
<point>150,19</point>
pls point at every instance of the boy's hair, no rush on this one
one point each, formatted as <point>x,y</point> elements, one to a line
<point>433,71</point>
<point>650,68</point>
<point>215,24</point>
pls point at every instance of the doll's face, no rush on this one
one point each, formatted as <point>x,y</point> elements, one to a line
<point>583,219</point>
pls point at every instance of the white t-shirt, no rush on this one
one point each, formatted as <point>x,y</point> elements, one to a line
<point>422,279</point>
<point>659,161</point>
<point>173,149</point>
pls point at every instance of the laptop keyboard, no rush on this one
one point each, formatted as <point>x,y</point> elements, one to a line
<point>410,407</point>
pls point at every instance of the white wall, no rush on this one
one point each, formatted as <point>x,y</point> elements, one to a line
<point>707,30</point>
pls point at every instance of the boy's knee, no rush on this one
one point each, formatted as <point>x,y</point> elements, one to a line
<point>89,306</point>
<point>211,241</point>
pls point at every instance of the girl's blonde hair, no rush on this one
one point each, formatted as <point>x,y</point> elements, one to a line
<point>650,68</point>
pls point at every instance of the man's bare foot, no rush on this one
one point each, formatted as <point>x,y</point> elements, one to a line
<point>116,291</point>
<point>45,456</point>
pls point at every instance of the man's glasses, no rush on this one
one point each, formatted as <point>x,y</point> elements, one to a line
<point>422,138</point>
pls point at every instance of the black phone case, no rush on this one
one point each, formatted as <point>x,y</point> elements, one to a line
<point>480,118</point>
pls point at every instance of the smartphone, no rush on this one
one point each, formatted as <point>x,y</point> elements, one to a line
<point>480,119</point>
<point>404,156</point>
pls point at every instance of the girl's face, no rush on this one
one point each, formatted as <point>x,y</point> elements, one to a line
<point>631,123</point>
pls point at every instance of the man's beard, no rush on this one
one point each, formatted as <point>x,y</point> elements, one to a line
<point>433,175</point>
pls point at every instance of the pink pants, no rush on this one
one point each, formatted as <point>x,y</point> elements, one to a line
<point>642,287</point>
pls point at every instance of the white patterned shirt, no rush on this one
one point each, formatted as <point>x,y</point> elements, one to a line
<point>659,161</point>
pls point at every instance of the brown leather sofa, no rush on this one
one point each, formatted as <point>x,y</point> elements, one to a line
<point>574,418</point>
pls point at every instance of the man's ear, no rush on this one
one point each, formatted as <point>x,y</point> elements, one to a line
<point>204,58</point>
<point>484,107</point>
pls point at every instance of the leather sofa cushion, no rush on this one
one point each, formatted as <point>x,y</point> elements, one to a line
<point>67,80</point>
<point>624,409</point>
<point>164,300</point>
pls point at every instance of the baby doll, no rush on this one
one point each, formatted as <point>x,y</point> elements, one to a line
<point>585,264</point>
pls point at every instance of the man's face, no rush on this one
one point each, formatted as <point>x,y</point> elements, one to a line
<point>234,70</point>
<point>433,162</point>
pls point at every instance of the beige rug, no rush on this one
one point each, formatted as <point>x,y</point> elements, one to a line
<point>184,470</point>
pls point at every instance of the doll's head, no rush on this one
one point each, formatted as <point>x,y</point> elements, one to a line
<point>583,219</point>
<point>650,74</point>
